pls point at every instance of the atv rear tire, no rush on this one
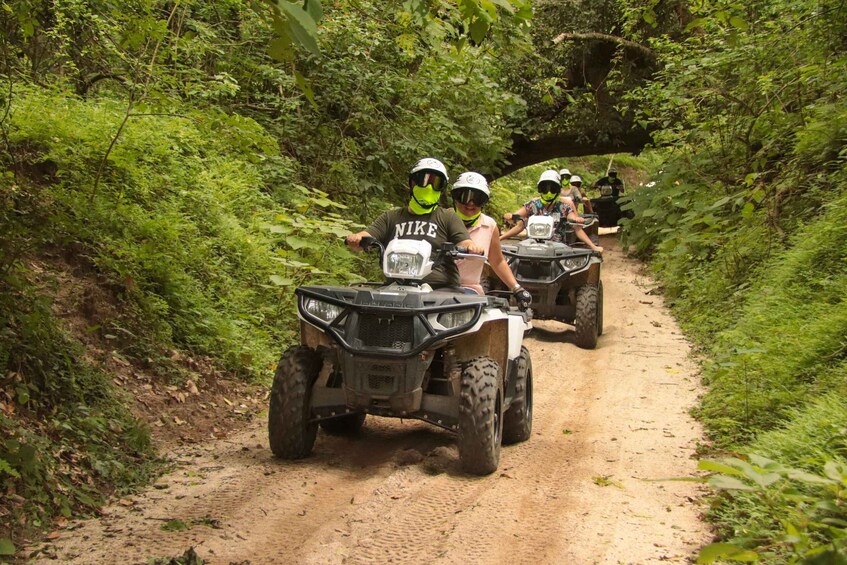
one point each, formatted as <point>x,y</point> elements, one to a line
<point>480,416</point>
<point>517,421</point>
<point>290,432</point>
<point>600,308</point>
<point>347,425</point>
<point>586,319</point>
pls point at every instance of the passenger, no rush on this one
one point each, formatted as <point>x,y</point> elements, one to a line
<point>423,219</point>
<point>470,193</point>
<point>576,193</point>
<point>548,204</point>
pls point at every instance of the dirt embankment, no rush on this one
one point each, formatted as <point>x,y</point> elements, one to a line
<point>608,424</point>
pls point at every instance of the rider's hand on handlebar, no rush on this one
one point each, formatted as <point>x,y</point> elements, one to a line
<point>523,298</point>
<point>476,249</point>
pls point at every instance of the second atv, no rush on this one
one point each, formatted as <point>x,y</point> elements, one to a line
<point>564,280</point>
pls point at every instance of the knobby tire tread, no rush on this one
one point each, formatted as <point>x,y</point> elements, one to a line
<point>480,417</point>
<point>290,433</point>
<point>517,421</point>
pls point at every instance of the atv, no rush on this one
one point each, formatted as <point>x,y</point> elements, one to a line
<point>608,207</point>
<point>564,280</point>
<point>400,349</point>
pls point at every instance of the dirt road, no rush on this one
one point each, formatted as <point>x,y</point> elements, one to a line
<point>583,489</point>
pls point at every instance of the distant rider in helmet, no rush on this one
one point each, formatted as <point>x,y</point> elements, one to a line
<point>549,203</point>
<point>575,192</point>
<point>470,193</point>
<point>423,219</point>
<point>611,179</point>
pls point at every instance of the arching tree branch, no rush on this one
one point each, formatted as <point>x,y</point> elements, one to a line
<point>644,50</point>
<point>526,152</point>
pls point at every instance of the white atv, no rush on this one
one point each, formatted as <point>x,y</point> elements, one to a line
<point>401,349</point>
<point>564,280</point>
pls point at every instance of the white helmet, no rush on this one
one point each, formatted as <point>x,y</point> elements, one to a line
<point>565,173</point>
<point>550,175</point>
<point>430,164</point>
<point>576,178</point>
<point>472,180</point>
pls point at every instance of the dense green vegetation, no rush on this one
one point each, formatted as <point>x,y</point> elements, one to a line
<point>746,228</point>
<point>170,171</point>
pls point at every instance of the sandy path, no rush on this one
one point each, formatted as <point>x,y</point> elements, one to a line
<point>607,423</point>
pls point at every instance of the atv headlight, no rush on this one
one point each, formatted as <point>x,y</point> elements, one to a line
<point>323,310</point>
<point>403,265</point>
<point>455,319</point>
<point>574,263</point>
<point>540,231</point>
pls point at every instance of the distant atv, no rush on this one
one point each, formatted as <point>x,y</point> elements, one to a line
<point>608,206</point>
<point>402,350</point>
<point>564,280</point>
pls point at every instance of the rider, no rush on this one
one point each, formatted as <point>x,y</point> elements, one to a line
<point>550,202</point>
<point>577,194</point>
<point>611,179</point>
<point>565,175</point>
<point>423,219</point>
<point>470,193</point>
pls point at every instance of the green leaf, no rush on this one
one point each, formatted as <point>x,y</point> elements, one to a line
<point>314,9</point>
<point>174,526</point>
<point>697,22</point>
<point>280,281</point>
<point>306,88</point>
<point>5,467</point>
<point>302,26</point>
<point>715,551</point>
<point>722,482</point>
<point>505,4</point>
<point>280,48</point>
<point>478,30</point>
<point>738,23</point>
<point>299,243</point>
<point>7,547</point>
<point>707,465</point>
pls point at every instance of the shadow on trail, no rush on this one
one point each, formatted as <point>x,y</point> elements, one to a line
<point>552,334</point>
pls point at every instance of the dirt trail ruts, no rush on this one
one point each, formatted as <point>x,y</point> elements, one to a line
<point>607,424</point>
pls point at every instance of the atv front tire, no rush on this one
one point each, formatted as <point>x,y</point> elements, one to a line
<point>480,416</point>
<point>347,425</point>
<point>290,432</point>
<point>517,421</point>
<point>586,318</point>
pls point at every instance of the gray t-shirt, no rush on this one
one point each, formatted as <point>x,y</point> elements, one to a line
<point>437,227</point>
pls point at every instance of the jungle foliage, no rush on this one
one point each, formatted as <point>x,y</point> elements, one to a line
<point>194,161</point>
<point>746,226</point>
<point>170,171</point>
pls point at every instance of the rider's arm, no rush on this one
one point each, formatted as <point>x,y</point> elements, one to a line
<point>574,217</point>
<point>355,239</point>
<point>518,227</point>
<point>499,265</point>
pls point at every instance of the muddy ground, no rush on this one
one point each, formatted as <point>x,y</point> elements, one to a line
<point>609,425</point>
